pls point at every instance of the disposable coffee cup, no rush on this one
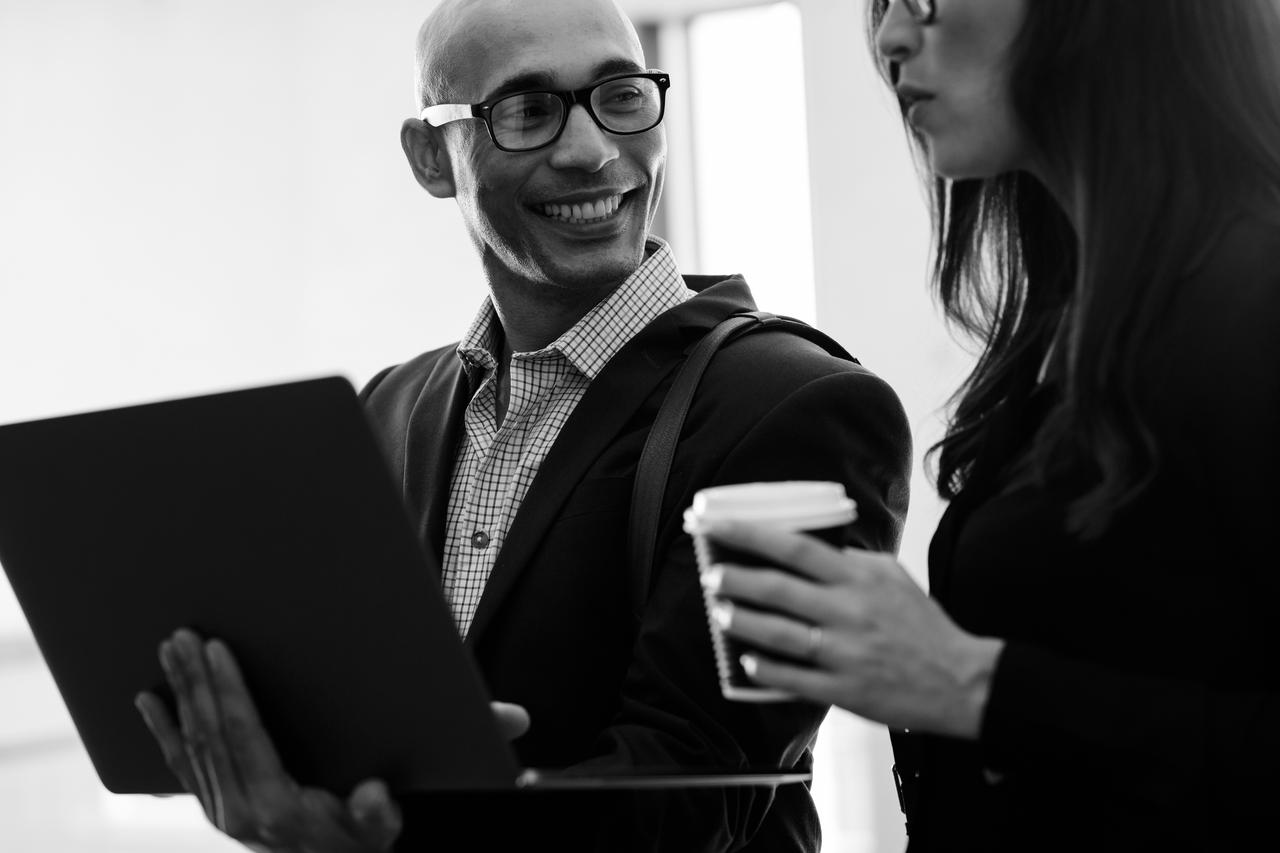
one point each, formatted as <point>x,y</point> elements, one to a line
<point>819,509</point>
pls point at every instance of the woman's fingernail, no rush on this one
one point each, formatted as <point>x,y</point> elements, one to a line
<point>749,664</point>
<point>712,578</point>
<point>722,612</point>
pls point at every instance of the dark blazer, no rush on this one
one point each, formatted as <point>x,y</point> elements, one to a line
<point>554,630</point>
<point>1137,704</point>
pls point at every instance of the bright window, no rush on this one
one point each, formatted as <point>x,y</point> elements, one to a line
<point>750,143</point>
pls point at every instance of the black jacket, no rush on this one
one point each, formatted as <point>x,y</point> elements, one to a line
<point>554,631</point>
<point>1136,706</point>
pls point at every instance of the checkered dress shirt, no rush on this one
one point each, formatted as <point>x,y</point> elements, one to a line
<point>495,465</point>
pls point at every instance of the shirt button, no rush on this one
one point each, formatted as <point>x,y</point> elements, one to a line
<point>480,540</point>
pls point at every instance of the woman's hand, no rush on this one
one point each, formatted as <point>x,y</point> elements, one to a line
<point>851,628</point>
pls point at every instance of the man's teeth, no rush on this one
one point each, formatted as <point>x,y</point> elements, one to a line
<point>587,212</point>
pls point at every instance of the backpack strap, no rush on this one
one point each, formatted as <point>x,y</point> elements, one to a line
<point>659,449</point>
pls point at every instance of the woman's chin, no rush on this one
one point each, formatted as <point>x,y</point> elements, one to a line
<point>957,163</point>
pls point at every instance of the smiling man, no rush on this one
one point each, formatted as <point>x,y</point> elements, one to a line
<point>518,448</point>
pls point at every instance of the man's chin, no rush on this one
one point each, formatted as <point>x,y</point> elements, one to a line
<point>594,274</point>
<point>598,266</point>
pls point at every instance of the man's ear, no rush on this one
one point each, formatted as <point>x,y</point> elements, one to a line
<point>428,157</point>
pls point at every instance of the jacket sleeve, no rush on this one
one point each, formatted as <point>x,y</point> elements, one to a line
<point>1209,738</point>
<point>848,427</point>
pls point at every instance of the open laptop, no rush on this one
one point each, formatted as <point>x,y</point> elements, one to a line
<point>267,518</point>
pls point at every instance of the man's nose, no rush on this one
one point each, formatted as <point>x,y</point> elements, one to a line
<point>898,37</point>
<point>584,144</point>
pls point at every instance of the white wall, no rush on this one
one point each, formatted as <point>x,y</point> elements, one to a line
<point>196,195</point>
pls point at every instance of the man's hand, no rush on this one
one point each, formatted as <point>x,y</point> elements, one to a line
<point>220,752</point>
<point>513,720</point>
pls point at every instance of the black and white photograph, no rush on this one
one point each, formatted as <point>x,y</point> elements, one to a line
<point>639,426</point>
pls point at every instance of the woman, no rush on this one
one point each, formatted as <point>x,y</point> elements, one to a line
<point>1099,664</point>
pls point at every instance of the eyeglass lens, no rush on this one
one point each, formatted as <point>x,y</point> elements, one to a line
<point>531,119</point>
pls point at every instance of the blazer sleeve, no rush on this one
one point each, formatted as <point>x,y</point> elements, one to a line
<point>1185,740</point>
<point>848,427</point>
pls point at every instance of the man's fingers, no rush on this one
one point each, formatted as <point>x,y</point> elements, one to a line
<point>176,675</point>
<point>255,757</point>
<point>376,813</point>
<point>233,766</point>
<point>209,743</point>
<point>169,737</point>
<point>513,720</point>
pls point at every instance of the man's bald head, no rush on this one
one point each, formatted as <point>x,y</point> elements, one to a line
<point>433,58</point>
<point>452,36</point>
<point>471,51</point>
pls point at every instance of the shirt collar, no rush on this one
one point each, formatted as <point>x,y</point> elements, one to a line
<point>480,346</point>
<point>589,344</point>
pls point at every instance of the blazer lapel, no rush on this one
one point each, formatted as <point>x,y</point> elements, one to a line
<point>613,397</point>
<point>435,426</point>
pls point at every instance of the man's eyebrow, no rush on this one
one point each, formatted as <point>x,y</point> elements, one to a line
<point>617,66</point>
<point>524,82</point>
<point>543,81</point>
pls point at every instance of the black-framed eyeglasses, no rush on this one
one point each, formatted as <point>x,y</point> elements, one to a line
<point>624,104</point>
<point>922,10</point>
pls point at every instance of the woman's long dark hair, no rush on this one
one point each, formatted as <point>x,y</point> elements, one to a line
<point>1163,119</point>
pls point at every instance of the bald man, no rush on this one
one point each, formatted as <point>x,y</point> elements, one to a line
<point>518,446</point>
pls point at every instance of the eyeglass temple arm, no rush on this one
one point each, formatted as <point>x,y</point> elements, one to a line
<point>445,113</point>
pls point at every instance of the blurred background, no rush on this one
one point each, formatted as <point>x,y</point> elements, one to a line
<point>199,196</point>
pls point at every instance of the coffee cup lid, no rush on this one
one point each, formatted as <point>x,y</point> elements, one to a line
<point>789,505</point>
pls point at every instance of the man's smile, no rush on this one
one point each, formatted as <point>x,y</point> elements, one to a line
<point>588,211</point>
<point>584,209</point>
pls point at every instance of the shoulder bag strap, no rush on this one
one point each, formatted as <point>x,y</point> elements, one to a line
<point>660,447</point>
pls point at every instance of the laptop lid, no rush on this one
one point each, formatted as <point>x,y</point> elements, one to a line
<point>265,517</point>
